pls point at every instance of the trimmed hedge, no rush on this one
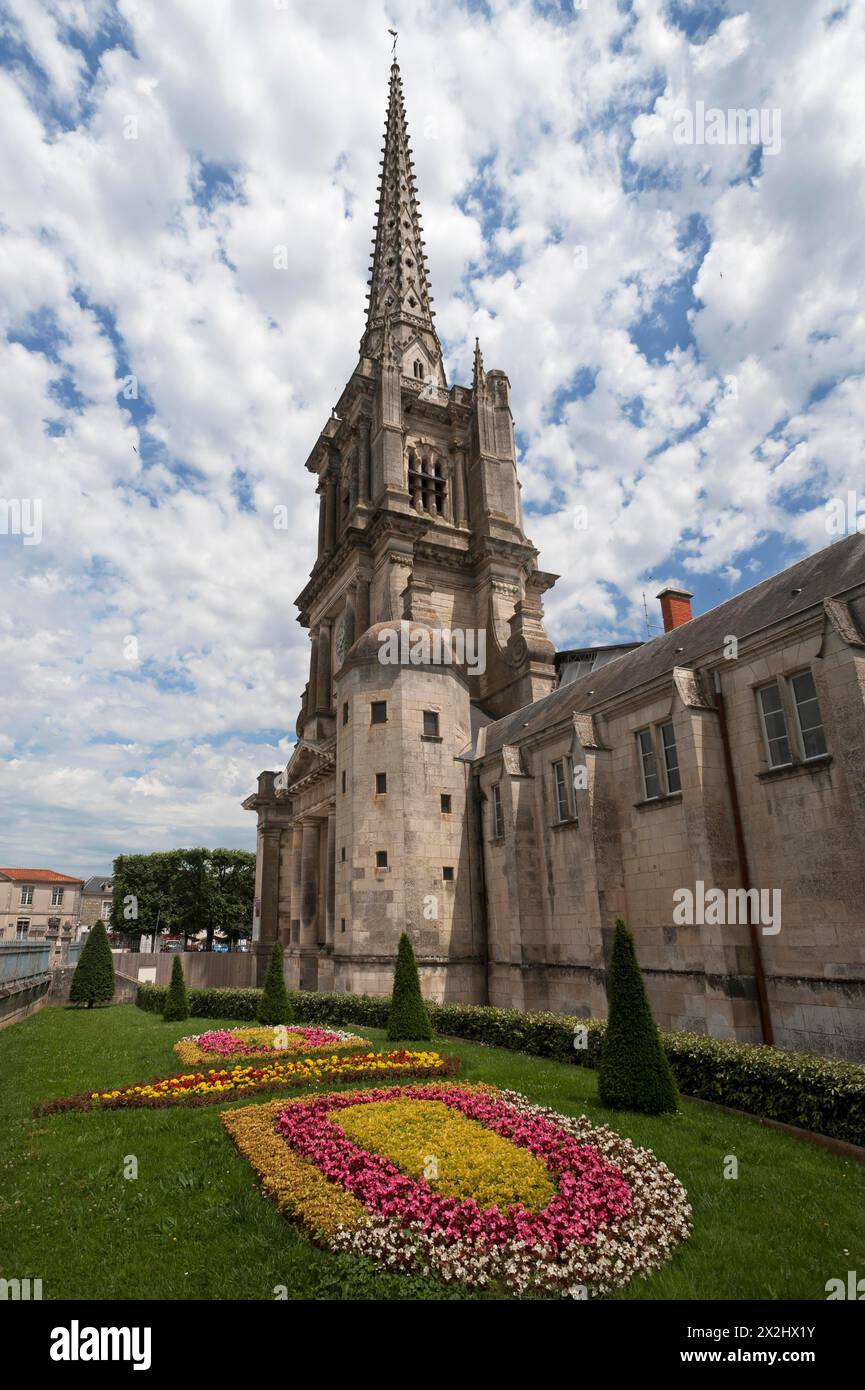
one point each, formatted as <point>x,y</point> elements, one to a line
<point>274,1005</point>
<point>822,1094</point>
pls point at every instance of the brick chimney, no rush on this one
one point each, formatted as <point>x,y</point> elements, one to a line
<point>675,607</point>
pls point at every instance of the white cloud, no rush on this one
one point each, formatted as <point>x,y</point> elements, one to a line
<point>533,136</point>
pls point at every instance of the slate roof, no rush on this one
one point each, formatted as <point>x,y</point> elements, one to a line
<point>828,573</point>
<point>95,884</point>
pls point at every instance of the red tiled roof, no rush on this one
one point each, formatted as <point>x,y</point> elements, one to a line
<point>39,876</point>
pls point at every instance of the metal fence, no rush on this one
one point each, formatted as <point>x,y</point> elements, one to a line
<point>24,960</point>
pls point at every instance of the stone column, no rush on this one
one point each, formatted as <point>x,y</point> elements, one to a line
<point>459,491</point>
<point>324,695</point>
<point>361,606</point>
<point>296,880</point>
<point>309,868</point>
<point>268,918</point>
<point>321,915</point>
<point>331,877</point>
<point>320,491</point>
<point>330,511</point>
<point>363,483</point>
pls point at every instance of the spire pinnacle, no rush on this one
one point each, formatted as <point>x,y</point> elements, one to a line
<point>478,375</point>
<point>398,285</point>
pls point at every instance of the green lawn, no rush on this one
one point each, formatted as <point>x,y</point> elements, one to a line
<point>194,1225</point>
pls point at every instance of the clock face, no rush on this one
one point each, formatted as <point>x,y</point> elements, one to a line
<point>340,643</point>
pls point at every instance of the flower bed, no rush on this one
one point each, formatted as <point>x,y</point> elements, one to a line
<point>219,1044</point>
<point>823,1094</point>
<point>467,1183</point>
<point>232,1083</point>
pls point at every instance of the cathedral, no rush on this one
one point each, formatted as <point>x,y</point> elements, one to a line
<point>456,777</point>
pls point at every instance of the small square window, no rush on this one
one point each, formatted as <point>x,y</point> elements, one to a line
<point>380,783</point>
<point>430,723</point>
<point>345,712</point>
<point>381,859</point>
<point>446,803</point>
<point>342,854</point>
<point>343,782</point>
<point>448,873</point>
<point>378,712</point>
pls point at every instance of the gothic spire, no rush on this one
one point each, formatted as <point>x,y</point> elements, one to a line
<point>398,284</point>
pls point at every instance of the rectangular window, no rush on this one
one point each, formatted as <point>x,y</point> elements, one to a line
<point>380,783</point>
<point>446,804</point>
<point>345,712</point>
<point>498,818</point>
<point>381,859</point>
<point>378,712</point>
<point>448,873</point>
<point>343,783</point>
<point>808,715</point>
<point>106,911</point>
<point>671,758</point>
<point>26,895</point>
<point>342,854</point>
<point>56,897</point>
<point>430,724</point>
<point>563,800</point>
<point>22,927</point>
<point>774,725</point>
<point>342,924</point>
<point>648,765</point>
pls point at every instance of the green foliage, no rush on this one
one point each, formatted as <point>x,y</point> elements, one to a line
<point>187,890</point>
<point>176,1000</point>
<point>823,1094</point>
<point>634,1073</point>
<point>274,1006</point>
<point>93,981</point>
<point>408,1017</point>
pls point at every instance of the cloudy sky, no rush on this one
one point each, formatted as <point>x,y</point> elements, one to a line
<point>682,324</point>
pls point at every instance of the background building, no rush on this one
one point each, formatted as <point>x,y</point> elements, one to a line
<point>34,901</point>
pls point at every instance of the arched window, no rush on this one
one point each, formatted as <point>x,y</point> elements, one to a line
<point>418,369</point>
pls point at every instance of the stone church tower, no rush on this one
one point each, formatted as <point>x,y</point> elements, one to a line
<point>425,619</point>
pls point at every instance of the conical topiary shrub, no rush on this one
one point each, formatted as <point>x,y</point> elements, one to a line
<point>176,1000</point>
<point>93,981</point>
<point>274,1006</point>
<point>634,1073</point>
<point>408,1017</point>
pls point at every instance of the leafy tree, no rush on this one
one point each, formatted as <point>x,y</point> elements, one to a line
<point>93,981</point>
<point>186,890</point>
<point>176,1000</point>
<point>274,1006</point>
<point>634,1072</point>
<point>408,1016</point>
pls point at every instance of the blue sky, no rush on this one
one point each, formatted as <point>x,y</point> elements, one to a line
<point>681,323</point>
